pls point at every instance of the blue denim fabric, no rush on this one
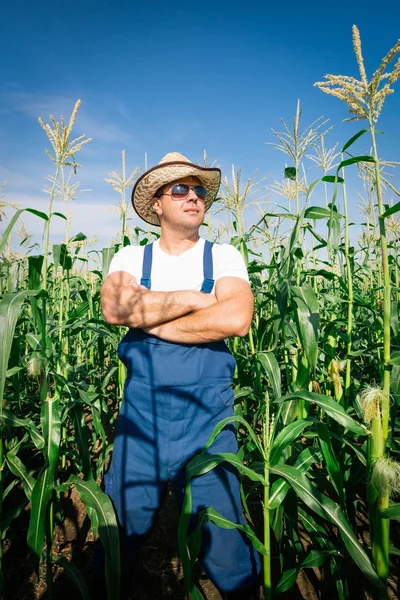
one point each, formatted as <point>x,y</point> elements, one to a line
<point>174,396</point>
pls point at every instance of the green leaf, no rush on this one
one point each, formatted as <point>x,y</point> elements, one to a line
<point>203,463</point>
<point>81,438</point>
<point>318,212</point>
<point>44,486</point>
<point>11,420</point>
<point>321,538</point>
<point>331,461</point>
<point>91,494</point>
<point>41,495</point>
<point>286,581</point>
<point>38,213</point>
<point>195,594</point>
<point>10,308</point>
<point>14,219</point>
<point>332,179</point>
<point>58,214</point>
<point>290,173</point>
<point>315,558</point>
<point>35,264</point>
<point>329,510</point>
<point>391,211</point>
<point>286,437</point>
<point>233,419</point>
<point>395,388</point>
<point>280,488</point>
<point>17,467</point>
<point>14,371</point>
<point>332,408</point>
<point>393,512</point>
<point>353,139</point>
<point>107,255</point>
<point>242,392</point>
<point>358,450</point>
<point>209,514</point>
<point>74,574</point>
<point>306,309</point>
<point>79,237</point>
<point>395,358</point>
<point>356,159</point>
<point>272,370</point>
<point>61,257</point>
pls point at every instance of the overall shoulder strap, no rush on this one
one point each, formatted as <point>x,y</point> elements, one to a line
<point>208,282</point>
<point>146,268</point>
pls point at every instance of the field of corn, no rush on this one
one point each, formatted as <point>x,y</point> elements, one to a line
<point>317,384</point>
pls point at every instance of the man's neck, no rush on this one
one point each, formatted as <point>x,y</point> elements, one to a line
<point>176,243</point>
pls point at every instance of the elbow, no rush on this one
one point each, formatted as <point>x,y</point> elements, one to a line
<point>241,327</point>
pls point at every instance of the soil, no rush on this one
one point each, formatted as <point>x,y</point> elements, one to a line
<point>158,575</point>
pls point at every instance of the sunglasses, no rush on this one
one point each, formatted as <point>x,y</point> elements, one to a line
<point>179,191</point>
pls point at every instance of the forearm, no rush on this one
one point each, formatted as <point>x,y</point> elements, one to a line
<point>134,306</point>
<point>217,322</point>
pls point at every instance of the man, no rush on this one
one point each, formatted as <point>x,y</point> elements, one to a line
<point>181,297</point>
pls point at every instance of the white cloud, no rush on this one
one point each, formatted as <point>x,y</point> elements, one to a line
<point>106,121</point>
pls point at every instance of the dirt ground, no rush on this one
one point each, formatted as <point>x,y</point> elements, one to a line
<point>158,575</point>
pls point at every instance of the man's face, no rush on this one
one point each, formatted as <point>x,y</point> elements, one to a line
<point>187,213</point>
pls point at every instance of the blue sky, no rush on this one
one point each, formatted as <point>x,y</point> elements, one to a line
<point>157,77</point>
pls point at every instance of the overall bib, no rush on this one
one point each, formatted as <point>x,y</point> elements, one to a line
<point>174,396</point>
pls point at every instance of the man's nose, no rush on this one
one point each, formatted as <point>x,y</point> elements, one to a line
<point>192,196</point>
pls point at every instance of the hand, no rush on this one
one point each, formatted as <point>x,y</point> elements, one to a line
<point>119,294</point>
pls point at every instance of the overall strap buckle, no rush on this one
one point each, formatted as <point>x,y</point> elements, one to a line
<point>146,268</point>
<point>208,282</point>
<point>207,286</point>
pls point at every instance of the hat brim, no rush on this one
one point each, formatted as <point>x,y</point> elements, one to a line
<point>147,185</point>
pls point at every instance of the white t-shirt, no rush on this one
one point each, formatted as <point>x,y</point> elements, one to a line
<point>184,272</point>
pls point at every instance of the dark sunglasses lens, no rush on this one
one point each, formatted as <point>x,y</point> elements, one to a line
<point>200,191</point>
<point>180,190</point>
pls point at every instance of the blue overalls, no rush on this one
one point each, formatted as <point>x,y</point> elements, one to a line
<point>174,396</point>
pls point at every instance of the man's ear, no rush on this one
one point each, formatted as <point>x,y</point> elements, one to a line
<point>157,206</point>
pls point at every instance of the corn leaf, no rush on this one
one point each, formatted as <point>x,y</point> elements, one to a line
<point>329,510</point>
<point>18,468</point>
<point>233,419</point>
<point>318,212</point>
<point>203,463</point>
<point>331,461</point>
<point>272,370</point>
<point>391,210</point>
<point>10,308</point>
<point>43,489</point>
<point>14,219</point>
<point>332,408</point>
<point>74,575</point>
<point>286,437</point>
<point>306,310</point>
<point>280,488</point>
<point>351,141</point>
<point>393,512</point>
<point>93,497</point>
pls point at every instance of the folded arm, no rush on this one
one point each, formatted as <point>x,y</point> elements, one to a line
<point>125,302</point>
<point>230,316</point>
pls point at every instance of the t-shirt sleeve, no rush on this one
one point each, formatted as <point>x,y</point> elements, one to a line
<point>128,259</point>
<point>230,263</point>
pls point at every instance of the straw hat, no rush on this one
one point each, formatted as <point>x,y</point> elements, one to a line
<point>170,168</point>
